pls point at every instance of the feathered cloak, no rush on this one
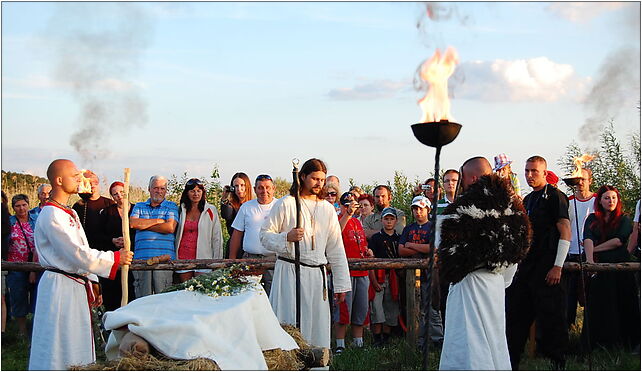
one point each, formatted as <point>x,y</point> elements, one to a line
<point>486,227</point>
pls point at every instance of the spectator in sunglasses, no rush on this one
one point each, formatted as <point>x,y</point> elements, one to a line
<point>332,195</point>
<point>199,231</point>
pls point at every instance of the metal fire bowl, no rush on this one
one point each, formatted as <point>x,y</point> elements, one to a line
<point>436,134</point>
<point>85,195</point>
<point>572,181</point>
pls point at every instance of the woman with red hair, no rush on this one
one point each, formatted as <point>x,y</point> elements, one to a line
<point>613,308</point>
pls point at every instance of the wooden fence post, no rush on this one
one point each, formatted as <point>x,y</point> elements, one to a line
<point>412,307</point>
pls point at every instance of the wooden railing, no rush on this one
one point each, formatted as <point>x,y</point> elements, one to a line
<point>410,265</point>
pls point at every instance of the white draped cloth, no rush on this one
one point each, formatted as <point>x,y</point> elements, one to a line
<point>62,334</point>
<point>231,330</point>
<point>475,330</point>
<point>321,244</point>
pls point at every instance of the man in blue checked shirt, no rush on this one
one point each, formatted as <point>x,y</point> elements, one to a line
<point>155,220</point>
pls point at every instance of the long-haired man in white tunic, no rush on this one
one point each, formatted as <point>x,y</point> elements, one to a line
<point>62,334</point>
<point>320,243</point>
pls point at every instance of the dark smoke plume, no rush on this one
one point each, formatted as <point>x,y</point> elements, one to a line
<point>97,48</point>
<point>617,87</point>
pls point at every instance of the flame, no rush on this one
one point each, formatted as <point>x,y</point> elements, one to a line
<point>84,187</point>
<point>578,164</point>
<point>436,71</point>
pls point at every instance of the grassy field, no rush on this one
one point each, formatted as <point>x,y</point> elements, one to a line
<point>397,355</point>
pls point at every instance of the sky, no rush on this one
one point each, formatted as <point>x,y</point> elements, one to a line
<point>168,88</point>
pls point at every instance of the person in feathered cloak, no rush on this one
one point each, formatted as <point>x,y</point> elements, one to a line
<point>481,237</point>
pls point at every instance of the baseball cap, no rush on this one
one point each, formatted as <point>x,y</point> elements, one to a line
<point>421,201</point>
<point>389,211</point>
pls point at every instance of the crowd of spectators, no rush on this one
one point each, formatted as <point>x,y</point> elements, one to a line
<point>371,227</point>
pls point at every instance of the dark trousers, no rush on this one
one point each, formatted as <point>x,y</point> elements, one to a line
<point>574,290</point>
<point>530,298</point>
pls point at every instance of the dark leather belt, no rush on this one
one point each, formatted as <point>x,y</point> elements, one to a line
<point>322,267</point>
<point>87,282</point>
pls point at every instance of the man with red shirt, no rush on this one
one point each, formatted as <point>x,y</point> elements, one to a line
<point>355,307</point>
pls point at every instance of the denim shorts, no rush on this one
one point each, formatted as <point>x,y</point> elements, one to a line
<point>19,288</point>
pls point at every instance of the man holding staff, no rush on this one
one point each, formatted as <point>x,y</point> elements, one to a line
<point>62,334</point>
<point>320,243</point>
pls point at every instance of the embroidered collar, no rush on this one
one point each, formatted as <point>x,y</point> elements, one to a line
<point>67,210</point>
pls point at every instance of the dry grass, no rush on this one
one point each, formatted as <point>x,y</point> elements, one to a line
<point>276,360</point>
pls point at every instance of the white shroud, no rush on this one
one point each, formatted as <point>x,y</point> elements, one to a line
<point>231,330</point>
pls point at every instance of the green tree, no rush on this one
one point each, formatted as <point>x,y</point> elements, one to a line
<point>611,166</point>
<point>282,187</point>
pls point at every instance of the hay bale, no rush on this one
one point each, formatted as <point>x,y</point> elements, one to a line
<point>148,362</point>
<point>276,360</point>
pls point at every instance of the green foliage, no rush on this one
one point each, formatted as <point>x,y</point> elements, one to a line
<point>282,187</point>
<point>403,191</point>
<point>18,183</point>
<point>402,194</point>
<point>611,166</point>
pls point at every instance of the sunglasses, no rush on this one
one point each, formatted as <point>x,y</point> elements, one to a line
<point>194,181</point>
<point>263,177</point>
<point>332,193</point>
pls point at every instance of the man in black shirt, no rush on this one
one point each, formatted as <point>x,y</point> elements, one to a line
<point>88,212</point>
<point>536,292</point>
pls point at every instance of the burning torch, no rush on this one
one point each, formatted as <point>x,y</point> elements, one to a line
<point>436,130</point>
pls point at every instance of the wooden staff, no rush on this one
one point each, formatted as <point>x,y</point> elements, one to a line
<point>297,250</point>
<point>124,270</point>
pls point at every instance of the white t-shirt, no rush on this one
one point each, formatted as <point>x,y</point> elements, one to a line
<point>249,220</point>
<point>637,213</point>
<point>584,208</point>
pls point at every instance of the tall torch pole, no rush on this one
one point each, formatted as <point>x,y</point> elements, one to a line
<point>124,270</point>
<point>297,250</point>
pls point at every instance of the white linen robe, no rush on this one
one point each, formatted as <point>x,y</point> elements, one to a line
<point>475,331</point>
<point>328,247</point>
<point>62,334</point>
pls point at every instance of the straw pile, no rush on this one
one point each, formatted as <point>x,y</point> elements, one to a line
<point>276,359</point>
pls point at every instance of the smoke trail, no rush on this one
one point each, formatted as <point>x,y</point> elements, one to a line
<point>97,48</point>
<point>617,87</point>
<point>433,12</point>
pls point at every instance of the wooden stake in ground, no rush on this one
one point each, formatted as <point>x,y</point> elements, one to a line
<point>124,270</point>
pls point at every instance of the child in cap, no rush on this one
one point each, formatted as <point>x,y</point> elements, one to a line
<point>414,242</point>
<point>384,288</point>
<point>502,167</point>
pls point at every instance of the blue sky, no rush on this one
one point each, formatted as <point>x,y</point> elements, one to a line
<point>168,88</point>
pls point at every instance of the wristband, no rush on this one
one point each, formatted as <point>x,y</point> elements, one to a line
<point>562,251</point>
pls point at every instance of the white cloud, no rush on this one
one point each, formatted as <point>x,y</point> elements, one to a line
<point>536,79</point>
<point>582,11</point>
<point>377,89</point>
